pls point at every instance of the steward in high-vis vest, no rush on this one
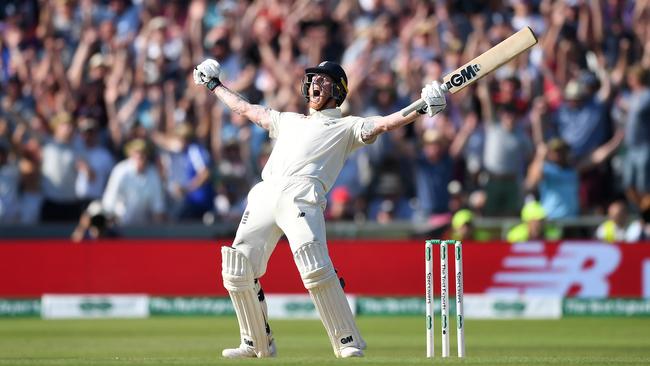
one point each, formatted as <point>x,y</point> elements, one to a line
<point>463,228</point>
<point>534,225</point>
<point>615,227</point>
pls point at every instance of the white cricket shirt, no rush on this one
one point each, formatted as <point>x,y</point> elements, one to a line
<point>313,146</point>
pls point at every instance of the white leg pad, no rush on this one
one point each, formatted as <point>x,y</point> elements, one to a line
<point>239,280</point>
<point>323,284</point>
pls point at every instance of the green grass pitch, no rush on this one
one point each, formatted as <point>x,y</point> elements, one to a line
<point>391,340</point>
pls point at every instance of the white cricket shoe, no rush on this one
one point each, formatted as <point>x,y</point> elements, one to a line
<point>351,352</point>
<point>245,351</point>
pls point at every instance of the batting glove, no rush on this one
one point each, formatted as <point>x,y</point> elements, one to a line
<point>434,96</point>
<point>207,73</point>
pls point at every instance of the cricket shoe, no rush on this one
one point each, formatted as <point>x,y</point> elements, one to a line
<point>350,352</point>
<point>245,351</point>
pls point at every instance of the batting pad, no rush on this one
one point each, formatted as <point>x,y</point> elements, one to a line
<point>323,284</point>
<point>238,279</point>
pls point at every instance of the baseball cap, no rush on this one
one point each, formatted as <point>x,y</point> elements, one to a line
<point>533,211</point>
<point>557,144</point>
<point>574,90</point>
<point>461,218</point>
<point>87,124</point>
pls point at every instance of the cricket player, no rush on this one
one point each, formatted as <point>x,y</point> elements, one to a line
<point>308,155</point>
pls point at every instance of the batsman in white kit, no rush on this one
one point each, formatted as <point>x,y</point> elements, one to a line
<point>308,155</point>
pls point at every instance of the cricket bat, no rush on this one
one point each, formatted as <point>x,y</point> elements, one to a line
<point>482,65</point>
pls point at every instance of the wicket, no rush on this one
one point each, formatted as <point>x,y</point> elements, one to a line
<point>444,296</point>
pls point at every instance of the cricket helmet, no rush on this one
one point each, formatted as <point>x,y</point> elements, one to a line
<point>333,70</point>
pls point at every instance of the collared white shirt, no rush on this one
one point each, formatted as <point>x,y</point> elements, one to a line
<point>314,146</point>
<point>133,198</point>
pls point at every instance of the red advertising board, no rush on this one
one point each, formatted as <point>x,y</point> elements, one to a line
<point>370,267</point>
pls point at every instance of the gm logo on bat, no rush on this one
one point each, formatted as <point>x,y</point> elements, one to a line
<point>463,76</point>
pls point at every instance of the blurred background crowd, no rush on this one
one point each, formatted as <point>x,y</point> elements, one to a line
<point>99,115</point>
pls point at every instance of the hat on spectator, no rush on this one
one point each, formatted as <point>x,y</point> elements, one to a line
<point>87,124</point>
<point>136,145</point>
<point>157,23</point>
<point>461,218</point>
<point>557,144</point>
<point>533,211</point>
<point>341,194</point>
<point>184,131</point>
<point>60,118</point>
<point>97,60</point>
<point>432,136</point>
<point>574,90</point>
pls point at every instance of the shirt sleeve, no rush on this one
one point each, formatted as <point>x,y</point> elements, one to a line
<point>274,128</point>
<point>357,127</point>
<point>158,198</point>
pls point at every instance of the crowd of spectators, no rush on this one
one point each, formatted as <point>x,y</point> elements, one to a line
<point>97,104</point>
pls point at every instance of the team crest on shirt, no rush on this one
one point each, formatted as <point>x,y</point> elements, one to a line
<point>330,122</point>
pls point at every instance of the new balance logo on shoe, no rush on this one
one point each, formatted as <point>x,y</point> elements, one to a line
<point>249,342</point>
<point>346,340</point>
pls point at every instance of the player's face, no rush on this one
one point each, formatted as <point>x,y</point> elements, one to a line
<point>320,91</point>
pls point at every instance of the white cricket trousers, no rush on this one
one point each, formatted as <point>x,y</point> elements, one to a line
<point>293,205</point>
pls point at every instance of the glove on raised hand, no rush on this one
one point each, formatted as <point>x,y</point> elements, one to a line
<point>207,73</point>
<point>434,96</point>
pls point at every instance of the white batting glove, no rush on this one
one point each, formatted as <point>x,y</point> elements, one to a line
<point>207,73</point>
<point>434,96</point>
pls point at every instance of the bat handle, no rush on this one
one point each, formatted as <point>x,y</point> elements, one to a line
<point>418,104</point>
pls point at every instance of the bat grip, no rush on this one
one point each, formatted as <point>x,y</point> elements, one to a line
<point>418,104</point>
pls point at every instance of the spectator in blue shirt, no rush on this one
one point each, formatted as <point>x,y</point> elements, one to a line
<point>583,121</point>
<point>189,176</point>
<point>433,172</point>
<point>555,174</point>
<point>636,172</point>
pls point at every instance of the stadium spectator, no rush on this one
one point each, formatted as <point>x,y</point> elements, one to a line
<point>639,229</point>
<point>533,226</point>
<point>188,175</point>
<point>555,172</point>
<point>614,229</point>
<point>134,193</point>
<point>94,169</point>
<point>434,168</point>
<point>462,226</point>
<point>340,206</point>
<point>507,151</point>
<point>583,122</point>
<point>636,173</point>
<point>9,183</point>
<point>59,172</point>
<point>433,172</point>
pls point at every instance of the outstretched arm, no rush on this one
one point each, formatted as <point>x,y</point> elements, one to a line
<point>375,126</point>
<point>207,73</point>
<point>259,115</point>
<point>432,94</point>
